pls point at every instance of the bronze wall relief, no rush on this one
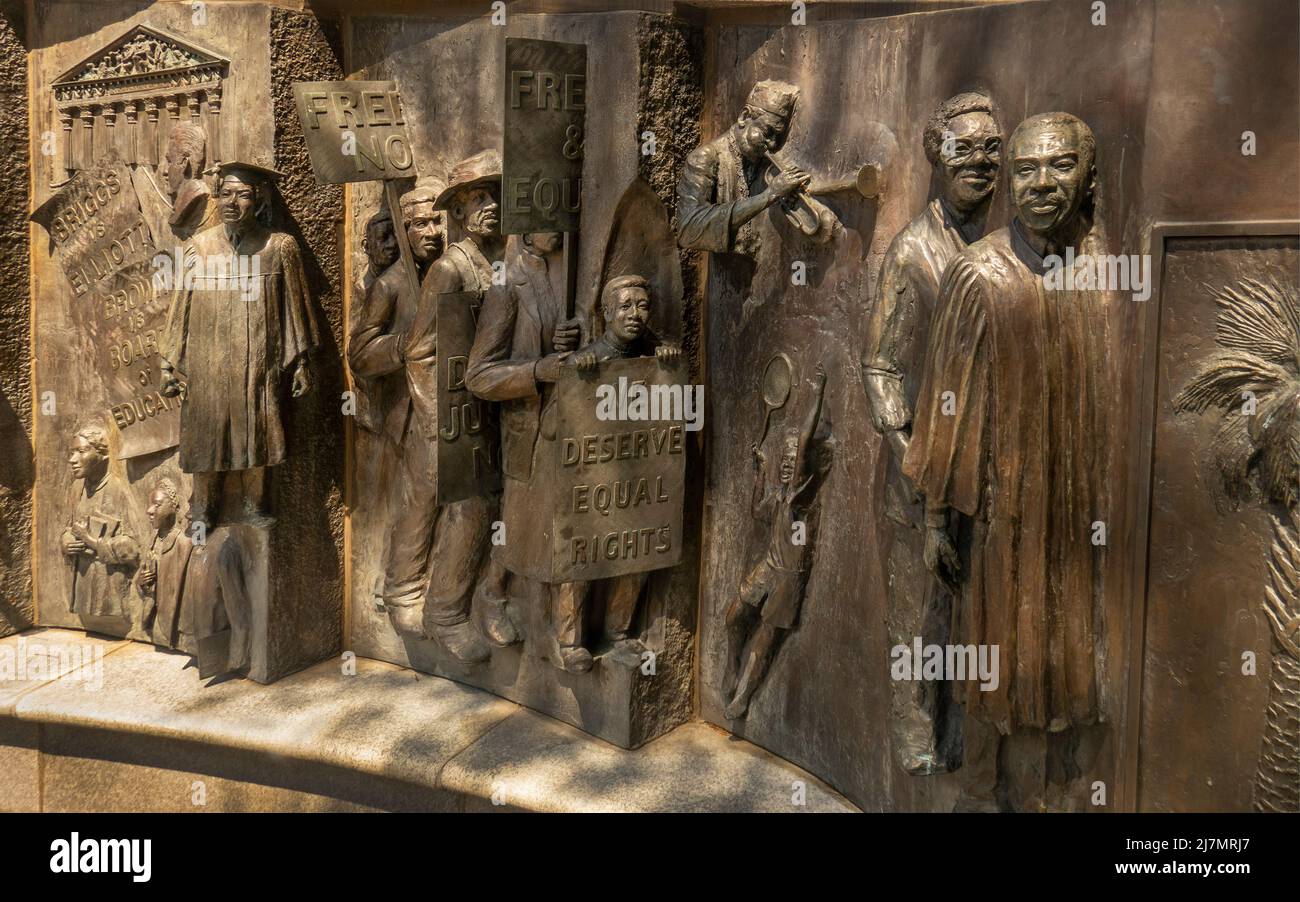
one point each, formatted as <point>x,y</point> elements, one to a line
<point>923,386</point>
<point>193,326</point>
<point>602,642</point>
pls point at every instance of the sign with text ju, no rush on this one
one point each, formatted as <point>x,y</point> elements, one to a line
<point>467,428</point>
<point>355,130</point>
<point>620,470</point>
<point>545,125</point>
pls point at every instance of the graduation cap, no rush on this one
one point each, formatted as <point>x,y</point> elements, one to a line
<point>245,172</point>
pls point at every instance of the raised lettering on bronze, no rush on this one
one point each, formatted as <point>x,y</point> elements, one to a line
<point>616,478</point>
<point>106,250</point>
<point>355,130</point>
<point>545,124</point>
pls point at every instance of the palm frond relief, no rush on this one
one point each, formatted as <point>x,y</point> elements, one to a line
<point>1254,381</point>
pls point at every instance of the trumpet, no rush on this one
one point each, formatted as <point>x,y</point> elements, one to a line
<point>809,215</point>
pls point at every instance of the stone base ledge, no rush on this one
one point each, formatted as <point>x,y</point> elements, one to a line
<point>94,724</point>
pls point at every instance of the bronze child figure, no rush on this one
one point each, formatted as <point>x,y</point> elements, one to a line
<point>626,305</point>
<point>101,552</point>
<point>772,592</point>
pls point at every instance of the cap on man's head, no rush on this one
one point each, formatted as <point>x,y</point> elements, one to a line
<point>775,97</point>
<point>426,191</point>
<point>480,169</point>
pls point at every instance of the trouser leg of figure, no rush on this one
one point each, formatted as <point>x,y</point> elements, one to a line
<point>406,565</point>
<point>757,657</point>
<point>205,497</point>
<point>1072,776</point>
<point>490,601</point>
<point>738,619</point>
<point>622,593</point>
<point>255,484</point>
<point>460,534</point>
<point>568,611</point>
<point>233,580</point>
<point>978,774</point>
<point>917,609</point>
<point>1023,770</point>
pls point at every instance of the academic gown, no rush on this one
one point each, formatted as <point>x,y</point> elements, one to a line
<point>235,349</point>
<point>1021,455</point>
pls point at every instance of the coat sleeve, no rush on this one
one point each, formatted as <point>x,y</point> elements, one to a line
<point>950,432</point>
<point>492,374</point>
<point>882,375</point>
<point>702,224</point>
<point>299,333</point>
<point>175,336</point>
<point>373,350</point>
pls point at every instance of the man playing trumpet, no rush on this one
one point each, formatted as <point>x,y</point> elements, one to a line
<point>723,187</point>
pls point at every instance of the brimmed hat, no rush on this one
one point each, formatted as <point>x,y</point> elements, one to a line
<point>483,167</point>
<point>775,97</point>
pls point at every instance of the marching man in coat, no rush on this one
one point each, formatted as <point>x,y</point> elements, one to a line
<point>436,551</point>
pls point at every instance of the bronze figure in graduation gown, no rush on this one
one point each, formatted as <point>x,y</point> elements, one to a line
<point>240,321</point>
<point>1006,448</point>
<point>964,145</point>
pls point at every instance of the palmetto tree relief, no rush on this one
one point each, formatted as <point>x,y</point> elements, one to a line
<point>1253,380</point>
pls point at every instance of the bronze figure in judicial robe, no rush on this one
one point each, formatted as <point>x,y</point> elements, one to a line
<point>722,186</point>
<point>436,551</point>
<point>241,319</point>
<point>97,542</point>
<point>1006,443</point>
<point>192,207</point>
<point>963,144</point>
<point>177,200</point>
<point>161,577</point>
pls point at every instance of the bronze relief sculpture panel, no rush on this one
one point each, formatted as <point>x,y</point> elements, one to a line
<point>1254,381</point>
<point>1219,601</point>
<point>918,430</point>
<point>205,316</point>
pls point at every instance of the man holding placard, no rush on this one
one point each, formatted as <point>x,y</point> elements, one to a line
<point>453,536</point>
